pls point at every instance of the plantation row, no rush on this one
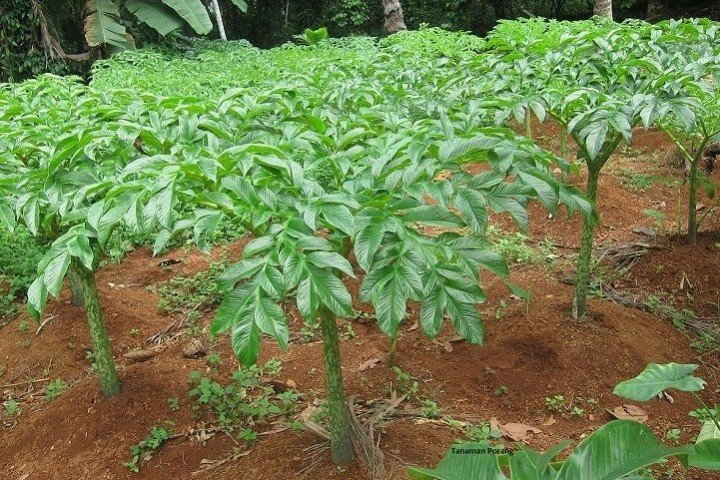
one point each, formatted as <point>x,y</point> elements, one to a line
<point>350,145</point>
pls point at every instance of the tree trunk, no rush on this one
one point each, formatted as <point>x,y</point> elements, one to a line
<point>394,18</point>
<point>582,278</point>
<point>603,8</point>
<point>102,350</point>
<point>219,20</point>
<point>657,10</point>
<point>340,433</point>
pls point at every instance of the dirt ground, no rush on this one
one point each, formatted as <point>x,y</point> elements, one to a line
<point>532,351</point>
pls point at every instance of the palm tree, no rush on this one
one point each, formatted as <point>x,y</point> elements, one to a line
<point>603,8</point>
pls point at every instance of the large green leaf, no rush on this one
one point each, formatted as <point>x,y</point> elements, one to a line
<point>463,461</point>
<point>193,12</point>
<point>656,378</point>
<point>706,455</point>
<point>102,24</point>
<point>154,14</point>
<point>616,449</point>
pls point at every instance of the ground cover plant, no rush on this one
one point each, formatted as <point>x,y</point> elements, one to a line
<point>367,174</point>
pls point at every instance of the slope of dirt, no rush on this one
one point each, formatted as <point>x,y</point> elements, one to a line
<point>531,352</point>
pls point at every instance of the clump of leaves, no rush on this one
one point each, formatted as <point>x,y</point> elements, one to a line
<point>242,402</point>
<point>12,408</point>
<point>54,389</point>
<point>181,295</point>
<point>143,451</point>
<point>405,384</point>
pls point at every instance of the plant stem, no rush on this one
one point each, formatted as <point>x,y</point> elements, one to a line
<point>582,279</point>
<point>391,353</point>
<point>78,299</point>
<point>340,432</point>
<point>692,202</point>
<point>102,350</point>
<point>528,124</point>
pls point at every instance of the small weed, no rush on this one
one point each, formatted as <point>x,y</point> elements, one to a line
<point>702,415</point>
<point>23,326</point>
<point>144,450</point>
<point>214,360</point>
<point>501,390</point>
<point>482,433</point>
<point>500,310</point>
<point>245,400</point>
<point>12,408</point>
<point>247,435</point>
<point>673,435</point>
<point>174,403</point>
<point>577,412</point>
<point>135,332</point>
<point>3,369</point>
<point>54,389</point>
<point>514,248</point>
<point>405,383</point>
<point>555,404</point>
<point>182,295</point>
<point>430,408</point>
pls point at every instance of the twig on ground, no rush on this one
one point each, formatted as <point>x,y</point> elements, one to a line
<point>45,322</point>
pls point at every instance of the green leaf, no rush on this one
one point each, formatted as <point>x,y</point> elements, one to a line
<point>706,455</point>
<point>432,215</point>
<point>432,313</point>
<point>7,217</point>
<point>367,243</point>
<point>331,291</point>
<point>79,247</point>
<point>656,378</point>
<point>466,319</point>
<point>331,260</point>
<point>471,205</point>
<point>526,464</point>
<point>390,304</point>
<point>709,431</point>
<point>271,320</point>
<point>340,217</point>
<point>245,338</point>
<point>230,308</point>
<point>37,297</point>
<point>55,271</point>
<point>464,461</point>
<point>616,449</point>
<point>193,12</point>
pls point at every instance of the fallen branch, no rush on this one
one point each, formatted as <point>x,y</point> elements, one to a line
<point>27,382</point>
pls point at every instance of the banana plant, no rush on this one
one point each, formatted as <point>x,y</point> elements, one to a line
<point>102,25</point>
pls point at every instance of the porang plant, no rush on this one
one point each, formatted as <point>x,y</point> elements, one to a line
<point>598,89</point>
<point>401,212</point>
<point>56,184</point>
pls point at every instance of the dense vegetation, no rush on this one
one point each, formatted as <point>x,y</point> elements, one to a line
<point>347,158</point>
